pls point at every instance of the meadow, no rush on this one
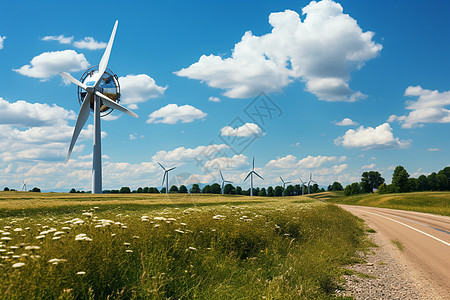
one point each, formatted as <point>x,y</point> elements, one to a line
<point>427,202</point>
<point>173,247</point>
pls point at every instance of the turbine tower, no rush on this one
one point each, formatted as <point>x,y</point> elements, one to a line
<point>284,184</point>
<point>303,184</point>
<point>24,186</point>
<point>223,181</point>
<point>166,177</point>
<point>309,182</point>
<point>99,93</point>
<point>251,177</point>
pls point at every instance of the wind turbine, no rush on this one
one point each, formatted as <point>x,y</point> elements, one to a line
<point>284,184</point>
<point>24,186</point>
<point>251,177</point>
<point>309,182</point>
<point>303,184</point>
<point>166,177</point>
<point>95,83</point>
<point>223,181</point>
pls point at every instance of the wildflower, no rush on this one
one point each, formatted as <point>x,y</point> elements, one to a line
<point>15,256</point>
<point>56,237</point>
<point>18,229</point>
<point>135,237</point>
<point>82,237</point>
<point>171,219</point>
<point>6,233</point>
<point>55,261</point>
<point>192,248</point>
<point>81,273</point>
<point>179,231</point>
<point>126,244</point>
<point>89,214</point>
<point>113,234</point>
<point>184,224</point>
<point>18,265</point>
<point>128,251</point>
<point>95,207</point>
<point>59,233</point>
<point>65,228</point>
<point>32,248</point>
<point>218,217</point>
<point>160,218</point>
<point>39,237</point>
<point>6,238</point>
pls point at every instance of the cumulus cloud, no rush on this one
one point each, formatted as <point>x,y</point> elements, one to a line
<point>226,163</point>
<point>246,130</point>
<point>430,107</point>
<point>189,154</point>
<point>214,99</point>
<point>2,39</point>
<point>371,138</point>
<point>309,162</point>
<point>322,51</point>
<point>48,64</point>
<point>138,89</point>
<point>347,122</point>
<point>60,39</point>
<point>434,149</point>
<point>172,113</point>
<point>89,43</point>
<point>371,166</point>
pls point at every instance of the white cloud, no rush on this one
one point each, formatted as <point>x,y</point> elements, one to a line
<point>226,163</point>
<point>60,38</point>
<point>138,89</point>
<point>371,138</point>
<point>48,64</point>
<point>430,107</point>
<point>371,166</point>
<point>434,149</point>
<point>309,162</point>
<point>295,144</point>
<point>248,129</point>
<point>189,154</point>
<point>132,136</point>
<point>89,43</point>
<point>347,122</point>
<point>214,99</point>
<point>2,40</point>
<point>322,50</point>
<point>172,113</point>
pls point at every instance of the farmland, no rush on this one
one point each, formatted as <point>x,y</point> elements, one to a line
<point>173,246</point>
<point>427,202</point>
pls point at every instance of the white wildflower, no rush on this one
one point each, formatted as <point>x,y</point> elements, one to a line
<point>128,251</point>
<point>179,231</point>
<point>18,265</point>
<point>32,248</point>
<point>81,273</point>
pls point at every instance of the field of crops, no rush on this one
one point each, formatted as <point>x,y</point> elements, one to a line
<point>428,202</point>
<point>173,246</point>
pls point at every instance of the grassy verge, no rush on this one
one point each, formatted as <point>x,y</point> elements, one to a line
<point>251,249</point>
<point>428,202</point>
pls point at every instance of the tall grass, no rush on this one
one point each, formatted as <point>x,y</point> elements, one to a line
<point>280,250</point>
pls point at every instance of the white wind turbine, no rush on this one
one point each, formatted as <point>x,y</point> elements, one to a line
<point>284,184</point>
<point>251,177</point>
<point>24,186</point>
<point>303,184</point>
<point>95,83</point>
<point>223,181</point>
<point>166,176</point>
<point>309,182</point>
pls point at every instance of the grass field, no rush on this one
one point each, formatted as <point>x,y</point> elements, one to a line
<point>173,246</point>
<point>429,202</point>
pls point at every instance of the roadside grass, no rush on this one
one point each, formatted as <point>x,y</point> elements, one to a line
<point>428,202</point>
<point>198,247</point>
<point>398,244</point>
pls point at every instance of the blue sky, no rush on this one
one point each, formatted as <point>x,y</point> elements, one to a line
<point>353,87</point>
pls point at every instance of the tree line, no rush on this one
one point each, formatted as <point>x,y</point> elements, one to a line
<point>401,182</point>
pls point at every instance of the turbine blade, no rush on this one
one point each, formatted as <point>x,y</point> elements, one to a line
<point>247,175</point>
<point>105,58</point>
<point>221,174</point>
<point>171,169</point>
<point>258,175</point>
<point>164,177</point>
<point>287,182</point>
<point>161,166</point>
<point>70,78</point>
<point>228,181</point>
<point>253,163</point>
<point>83,115</point>
<point>282,179</point>
<point>111,104</point>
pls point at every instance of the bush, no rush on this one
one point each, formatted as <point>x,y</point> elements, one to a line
<point>125,190</point>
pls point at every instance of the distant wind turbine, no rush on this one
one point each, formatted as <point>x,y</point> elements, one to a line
<point>166,177</point>
<point>251,177</point>
<point>284,184</point>
<point>303,184</point>
<point>223,181</point>
<point>309,183</point>
<point>24,186</point>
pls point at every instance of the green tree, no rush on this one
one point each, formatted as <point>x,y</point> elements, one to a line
<point>238,190</point>
<point>297,189</point>
<point>371,180</point>
<point>400,180</point>
<point>206,189</point>
<point>336,186</point>
<point>270,191</point>
<point>173,189</point>
<point>278,191</point>
<point>125,190</point>
<point>146,190</point>
<point>183,189</point>
<point>413,184</point>
<point>72,191</point>
<point>385,188</point>
<point>229,189</point>
<point>432,182</point>
<point>262,192</point>
<point>195,189</point>
<point>140,190</point>
<point>216,188</point>
<point>441,182</point>
<point>446,171</point>
<point>289,191</point>
<point>6,189</point>
<point>314,188</point>
<point>422,183</point>
<point>154,190</point>
<point>163,190</point>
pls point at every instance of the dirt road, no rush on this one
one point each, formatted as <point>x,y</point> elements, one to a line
<point>425,239</point>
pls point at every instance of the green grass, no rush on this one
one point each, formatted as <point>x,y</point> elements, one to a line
<point>206,247</point>
<point>398,244</point>
<point>428,202</point>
